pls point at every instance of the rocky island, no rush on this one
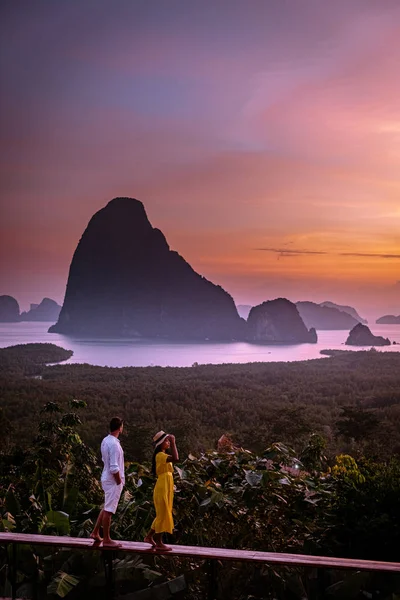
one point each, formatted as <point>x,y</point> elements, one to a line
<point>278,321</point>
<point>361,335</point>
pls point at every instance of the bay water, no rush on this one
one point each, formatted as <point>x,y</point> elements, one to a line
<point>138,352</point>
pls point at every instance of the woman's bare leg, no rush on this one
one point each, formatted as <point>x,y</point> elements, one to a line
<point>160,544</point>
<point>149,538</point>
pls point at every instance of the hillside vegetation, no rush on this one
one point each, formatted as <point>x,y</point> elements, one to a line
<point>257,404</point>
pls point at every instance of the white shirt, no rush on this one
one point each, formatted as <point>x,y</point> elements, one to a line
<point>113,459</point>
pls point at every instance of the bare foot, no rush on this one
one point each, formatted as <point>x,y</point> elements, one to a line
<point>162,547</point>
<point>149,540</point>
<point>111,544</point>
<point>96,538</point>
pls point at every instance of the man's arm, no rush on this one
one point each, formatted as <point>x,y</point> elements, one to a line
<point>114,467</point>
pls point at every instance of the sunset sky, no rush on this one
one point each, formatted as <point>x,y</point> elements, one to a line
<point>262,136</point>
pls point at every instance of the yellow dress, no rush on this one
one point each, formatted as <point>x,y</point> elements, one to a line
<point>163,495</point>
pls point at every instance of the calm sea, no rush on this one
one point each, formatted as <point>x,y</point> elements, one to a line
<point>141,353</point>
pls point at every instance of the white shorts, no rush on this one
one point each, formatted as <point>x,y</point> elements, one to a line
<point>112,494</point>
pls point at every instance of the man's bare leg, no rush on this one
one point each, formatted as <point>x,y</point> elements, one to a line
<point>107,541</point>
<point>95,535</point>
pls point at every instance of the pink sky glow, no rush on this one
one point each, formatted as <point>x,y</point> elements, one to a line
<point>262,137</point>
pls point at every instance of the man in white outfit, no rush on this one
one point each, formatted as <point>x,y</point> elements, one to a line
<point>112,481</point>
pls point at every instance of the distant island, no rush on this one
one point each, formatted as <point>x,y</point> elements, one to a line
<point>347,309</point>
<point>321,316</point>
<point>388,320</point>
<point>47,311</point>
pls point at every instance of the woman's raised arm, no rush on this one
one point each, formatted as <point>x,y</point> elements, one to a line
<point>174,451</point>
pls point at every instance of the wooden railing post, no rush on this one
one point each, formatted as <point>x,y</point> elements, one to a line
<point>212,579</point>
<point>108,557</point>
<point>35,583</point>
<point>13,571</point>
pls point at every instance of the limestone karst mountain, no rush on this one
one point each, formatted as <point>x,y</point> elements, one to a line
<point>124,280</point>
<point>278,321</point>
<point>325,317</point>
<point>347,309</point>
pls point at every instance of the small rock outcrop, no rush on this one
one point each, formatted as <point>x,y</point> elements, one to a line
<point>278,321</point>
<point>388,320</point>
<point>9,309</point>
<point>124,280</point>
<point>324,317</point>
<point>361,335</point>
<point>48,310</point>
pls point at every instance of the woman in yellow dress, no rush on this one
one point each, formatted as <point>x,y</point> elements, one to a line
<point>163,495</point>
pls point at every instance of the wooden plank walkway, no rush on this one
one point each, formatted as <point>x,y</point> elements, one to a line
<point>205,553</point>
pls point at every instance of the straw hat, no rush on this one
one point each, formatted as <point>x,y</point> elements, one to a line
<point>159,438</point>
